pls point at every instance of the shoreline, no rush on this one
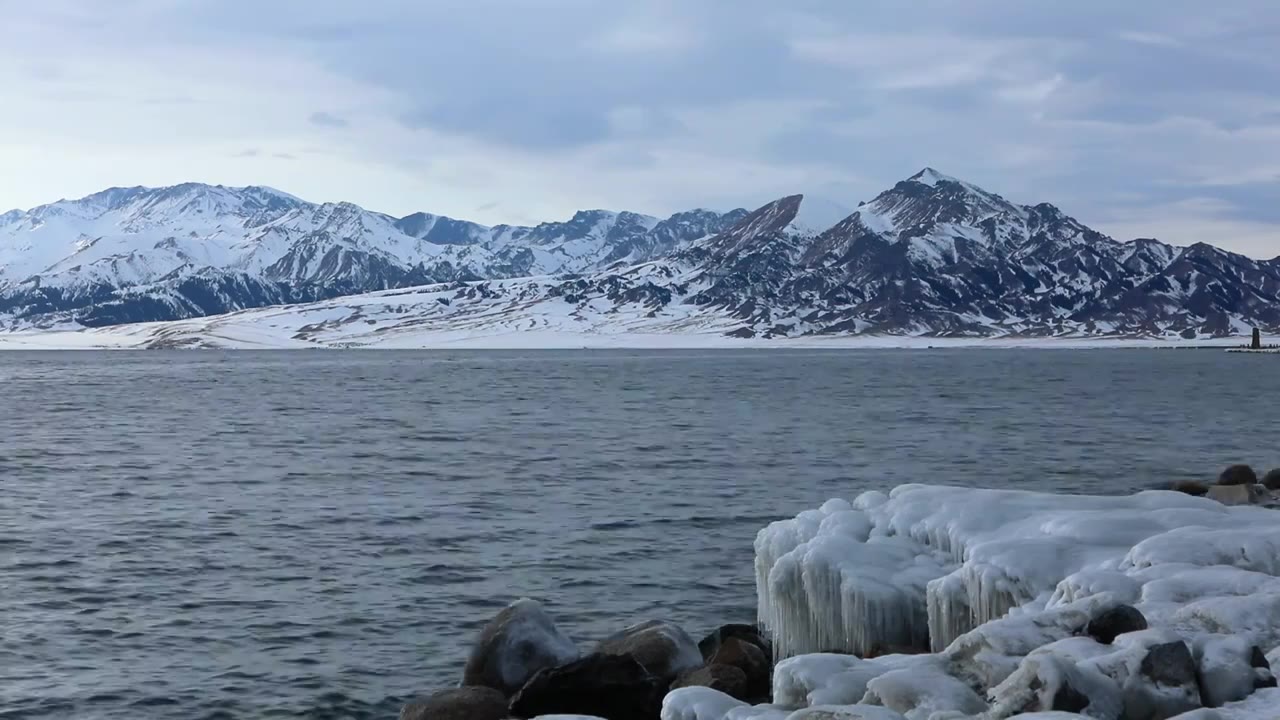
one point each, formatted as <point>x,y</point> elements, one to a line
<point>940,601</point>
<point>140,337</point>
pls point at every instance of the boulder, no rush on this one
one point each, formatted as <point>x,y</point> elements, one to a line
<point>710,644</point>
<point>1271,480</point>
<point>1235,494</point>
<point>1117,621</point>
<point>1165,684</point>
<point>1230,668</point>
<point>723,678</point>
<point>613,687</point>
<point>1169,664</point>
<point>1048,682</point>
<point>751,660</point>
<point>468,703</point>
<point>1238,475</point>
<point>516,644</point>
<point>1190,487</point>
<point>661,647</point>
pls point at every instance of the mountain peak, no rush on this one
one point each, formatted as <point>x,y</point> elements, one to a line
<point>931,177</point>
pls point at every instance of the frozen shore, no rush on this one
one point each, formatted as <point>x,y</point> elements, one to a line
<point>941,603</point>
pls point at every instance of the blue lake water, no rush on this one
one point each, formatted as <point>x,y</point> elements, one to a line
<point>319,534</point>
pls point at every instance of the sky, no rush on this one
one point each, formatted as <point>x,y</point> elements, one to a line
<point>1143,118</point>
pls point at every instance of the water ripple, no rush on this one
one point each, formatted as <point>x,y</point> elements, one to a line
<point>224,536</point>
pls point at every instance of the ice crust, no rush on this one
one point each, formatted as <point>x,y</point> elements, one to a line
<point>932,563</point>
<point>993,589</point>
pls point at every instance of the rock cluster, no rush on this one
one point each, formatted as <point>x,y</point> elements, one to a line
<point>1236,485</point>
<point>522,666</point>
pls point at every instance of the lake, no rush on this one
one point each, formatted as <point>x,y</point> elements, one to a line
<point>320,534</point>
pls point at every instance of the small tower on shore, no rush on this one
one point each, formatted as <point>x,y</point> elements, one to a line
<point>1257,340</point>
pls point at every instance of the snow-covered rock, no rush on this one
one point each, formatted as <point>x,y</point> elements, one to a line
<point>698,703</point>
<point>1018,578</point>
<point>848,576</point>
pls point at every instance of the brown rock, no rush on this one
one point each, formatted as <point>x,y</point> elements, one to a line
<point>614,687</point>
<point>726,678</point>
<point>751,660</point>
<point>470,703</point>
<point>661,647</point>
<point>1190,487</point>
<point>751,633</point>
<point>1235,494</point>
<point>1238,475</point>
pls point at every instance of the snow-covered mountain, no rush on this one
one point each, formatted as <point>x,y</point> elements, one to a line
<point>141,254</point>
<point>932,256</point>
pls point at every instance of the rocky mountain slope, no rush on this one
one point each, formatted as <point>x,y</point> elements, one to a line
<point>932,256</point>
<point>139,254</point>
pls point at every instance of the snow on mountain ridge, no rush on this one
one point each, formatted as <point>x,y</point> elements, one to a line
<point>932,255</point>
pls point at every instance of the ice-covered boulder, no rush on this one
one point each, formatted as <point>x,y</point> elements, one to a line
<point>663,648</point>
<point>932,563</point>
<point>698,703</point>
<point>846,712</point>
<point>923,689</point>
<point>514,645</point>
<point>1230,668</point>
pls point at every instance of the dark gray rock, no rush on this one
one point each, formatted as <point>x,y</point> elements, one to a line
<point>1170,664</point>
<point>1069,700</point>
<point>469,703</point>
<point>516,644</point>
<point>726,678</point>
<point>710,644</point>
<point>751,660</point>
<point>1166,685</point>
<point>614,687</point>
<point>1272,480</point>
<point>1105,628</point>
<point>661,647</point>
<point>1190,487</point>
<point>1238,475</point>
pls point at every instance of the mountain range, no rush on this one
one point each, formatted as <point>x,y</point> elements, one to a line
<point>932,256</point>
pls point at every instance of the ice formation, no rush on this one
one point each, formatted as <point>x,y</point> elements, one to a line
<point>994,589</point>
<point>932,563</point>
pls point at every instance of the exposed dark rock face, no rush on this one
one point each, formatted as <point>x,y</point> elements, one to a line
<point>613,687</point>
<point>724,678</point>
<point>1105,628</point>
<point>1238,475</point>
<point>933,256</point>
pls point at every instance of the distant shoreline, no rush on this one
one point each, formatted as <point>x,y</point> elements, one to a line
<point>158,336</point>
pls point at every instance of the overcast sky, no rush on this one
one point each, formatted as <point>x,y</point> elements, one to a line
<point>1140,118</point>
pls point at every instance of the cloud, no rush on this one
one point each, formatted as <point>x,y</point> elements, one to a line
<point>327,120</point>
<point>248,153</point>
<point>1122,113</point>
